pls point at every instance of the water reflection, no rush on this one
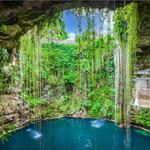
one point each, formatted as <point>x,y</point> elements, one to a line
<point>34,134</point>
<point>97,123</point>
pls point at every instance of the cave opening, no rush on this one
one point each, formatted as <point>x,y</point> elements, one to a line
<point>69,60</point>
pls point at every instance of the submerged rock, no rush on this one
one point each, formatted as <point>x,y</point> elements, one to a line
<point>142,132</point>
<point>88,143</point>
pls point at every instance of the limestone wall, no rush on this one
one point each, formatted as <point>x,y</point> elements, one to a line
<point>12,112</point>
<point>142,89</point>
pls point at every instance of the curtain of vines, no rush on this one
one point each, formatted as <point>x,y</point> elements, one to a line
<point>125,28</point>
<point>95,68</point>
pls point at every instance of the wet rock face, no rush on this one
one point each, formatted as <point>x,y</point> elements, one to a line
<point>142,82</point>
<point>143,51</point>
<point>144,18</point>
<point>12,110</point>
<point>52,93</point>
<point>142,89</point>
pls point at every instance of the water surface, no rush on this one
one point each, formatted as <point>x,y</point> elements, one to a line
<point>75,134</point>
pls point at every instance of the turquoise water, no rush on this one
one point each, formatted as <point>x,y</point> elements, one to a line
<point>75,134</point>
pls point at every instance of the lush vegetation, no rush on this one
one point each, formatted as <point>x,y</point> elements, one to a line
<point>125,29</point>
<point>76,79</point>
<point>3,61</point>
<point>59,72</point>
<point>67,79</point>
<point>141,116</point>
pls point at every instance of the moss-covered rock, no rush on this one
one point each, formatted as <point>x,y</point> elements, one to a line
<point>16,18</point>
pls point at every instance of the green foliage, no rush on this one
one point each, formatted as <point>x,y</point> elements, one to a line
<point>54,28</point>
<point>141,117</point>
<point>3,62</point>
<point>32,102</point>
<point>6,131</point>
<point>3,57</point>
<point>59,64</point>
<point>125,29</point>
<point>100,103</point>
<point>29,62</point>
<point>57,59</point>
<point>95,71</point>
<point>85,71</point>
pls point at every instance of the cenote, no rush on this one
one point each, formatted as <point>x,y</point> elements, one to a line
<point>75,134</point>
<point>83,62</point>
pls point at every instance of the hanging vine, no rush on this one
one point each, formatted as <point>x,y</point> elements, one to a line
<point>125,29</point>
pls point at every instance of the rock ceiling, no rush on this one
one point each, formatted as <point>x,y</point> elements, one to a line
<point>16,17</point>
